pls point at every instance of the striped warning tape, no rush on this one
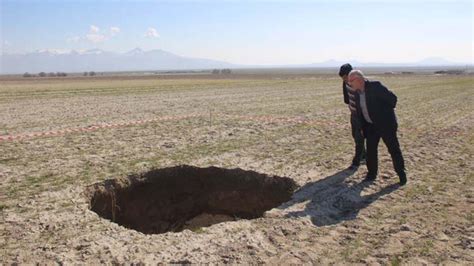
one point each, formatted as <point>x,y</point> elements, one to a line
<point>263,118</point>
<point>441,132</point>
<point>90,128</point>
<point>285,119</point>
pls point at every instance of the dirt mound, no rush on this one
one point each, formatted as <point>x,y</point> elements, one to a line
<point>187,197</point>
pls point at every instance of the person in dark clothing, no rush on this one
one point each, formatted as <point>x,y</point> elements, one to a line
<point>349,99</point>
<point>375,108</point>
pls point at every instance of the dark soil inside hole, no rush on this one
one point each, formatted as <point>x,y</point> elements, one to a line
<point>187,197</point>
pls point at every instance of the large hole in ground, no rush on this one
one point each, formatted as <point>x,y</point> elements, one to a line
<point>187,197</point>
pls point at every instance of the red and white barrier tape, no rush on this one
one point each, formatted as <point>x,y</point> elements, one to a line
<point>90,128</point>
<point>284,119</point>
<point>263,118</point>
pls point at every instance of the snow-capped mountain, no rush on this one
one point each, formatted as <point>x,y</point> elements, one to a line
<point>60,60</point>
<point>57,60</point>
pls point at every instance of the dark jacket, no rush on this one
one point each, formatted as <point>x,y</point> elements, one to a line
<point>345,93</point>
<point>347,96</point>
<point>380,105</point>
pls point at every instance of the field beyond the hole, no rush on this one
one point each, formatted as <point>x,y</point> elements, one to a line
<point>89,129</point>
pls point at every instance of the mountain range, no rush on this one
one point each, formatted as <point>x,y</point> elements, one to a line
<point>99,60</point>
<point>153,60</point>
<point>431,61</point>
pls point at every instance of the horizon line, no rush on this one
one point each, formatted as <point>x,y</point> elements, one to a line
<point>357,61</point>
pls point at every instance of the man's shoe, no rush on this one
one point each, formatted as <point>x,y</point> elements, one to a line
<point>369,178</point>
<point>353,167</point>
<point>403,180</point>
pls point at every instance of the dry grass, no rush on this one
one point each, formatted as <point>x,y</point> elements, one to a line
<point>44,217</point>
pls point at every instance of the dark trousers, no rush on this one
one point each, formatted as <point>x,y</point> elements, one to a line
<point>390,139</point>
<point>358,139</point>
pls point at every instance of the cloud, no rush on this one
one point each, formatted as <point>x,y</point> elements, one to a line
<point>152,33</point>
<point>94,35</point>
<point>93,29</point>
<point>114,31</point>
<point>4,46</point>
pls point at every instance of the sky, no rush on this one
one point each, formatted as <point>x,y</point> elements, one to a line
<point>247,32</point>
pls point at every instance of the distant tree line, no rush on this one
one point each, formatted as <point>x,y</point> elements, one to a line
<point>44,74</point>
<point>221,71</point>
<point>91,73</point>
<point>451,72</point>
<point>55,74</point>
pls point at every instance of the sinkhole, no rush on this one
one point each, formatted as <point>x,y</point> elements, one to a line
<point>187,197</point>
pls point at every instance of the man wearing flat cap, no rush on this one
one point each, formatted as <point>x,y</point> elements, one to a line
<point>350,99</point>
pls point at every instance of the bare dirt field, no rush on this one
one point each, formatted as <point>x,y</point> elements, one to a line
<point>60,137</point>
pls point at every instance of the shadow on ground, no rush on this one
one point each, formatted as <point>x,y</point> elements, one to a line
<point>333,199</point>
